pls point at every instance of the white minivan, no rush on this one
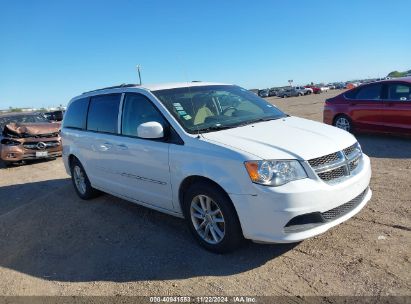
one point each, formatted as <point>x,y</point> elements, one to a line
<point>233,165</point>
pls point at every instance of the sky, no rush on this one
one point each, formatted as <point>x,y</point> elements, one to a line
<point>51,51</point>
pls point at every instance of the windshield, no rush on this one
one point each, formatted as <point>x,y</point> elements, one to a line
<point>208,108</point>
<point>21,119</point>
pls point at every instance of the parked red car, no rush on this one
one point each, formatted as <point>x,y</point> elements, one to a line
<point>383,107</point>
<point>316,90</point>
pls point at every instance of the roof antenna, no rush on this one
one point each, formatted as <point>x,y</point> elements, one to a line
<point>139,74</point>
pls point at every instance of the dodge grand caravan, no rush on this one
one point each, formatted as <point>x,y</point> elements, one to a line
<point>233,165</point>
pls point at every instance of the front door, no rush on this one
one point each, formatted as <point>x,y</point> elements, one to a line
<point>142,165</point>
<point>365,108</point>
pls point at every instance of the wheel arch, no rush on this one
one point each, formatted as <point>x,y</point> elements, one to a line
<point>342,114</point>
<point>190,180</point>
<point>71,158</point>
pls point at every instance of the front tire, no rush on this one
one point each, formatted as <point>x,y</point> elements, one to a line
<point>343,122</point>
<point>8,164</point>
<point>81,182</point>
<point>212,218</point>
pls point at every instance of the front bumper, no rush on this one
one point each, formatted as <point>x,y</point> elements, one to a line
<point>264,215</point>
<point>19,153</point>
<point>328,115</point>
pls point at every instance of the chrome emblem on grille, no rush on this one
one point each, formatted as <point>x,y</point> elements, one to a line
<point>41,145</point>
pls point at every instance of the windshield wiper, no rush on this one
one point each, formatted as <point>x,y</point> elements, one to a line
<point>223,127</point>
<point>258,120</point>
<point>216,128</point>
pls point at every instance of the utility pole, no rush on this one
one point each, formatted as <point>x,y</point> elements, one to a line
<point>139,74</point>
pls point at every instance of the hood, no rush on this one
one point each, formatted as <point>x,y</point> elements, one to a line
<point>33,129</point>
<point>286,138</point>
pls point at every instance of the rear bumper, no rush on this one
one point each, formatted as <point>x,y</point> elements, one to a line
<point>264,216</point>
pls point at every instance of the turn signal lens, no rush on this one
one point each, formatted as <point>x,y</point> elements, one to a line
<point>252,169</point>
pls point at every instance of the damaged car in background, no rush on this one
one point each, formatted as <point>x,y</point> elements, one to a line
<point>28,136</point>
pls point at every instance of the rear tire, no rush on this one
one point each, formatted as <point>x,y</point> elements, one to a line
<point>343,122</point>
<point>81,182</point>
<point>212,218</point>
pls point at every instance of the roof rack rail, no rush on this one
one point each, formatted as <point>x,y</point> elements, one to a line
<point>123,85</point>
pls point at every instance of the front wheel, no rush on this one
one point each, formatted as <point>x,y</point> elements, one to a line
<point>343,122</point>
<point>212,218</point>
<point>8,163</point>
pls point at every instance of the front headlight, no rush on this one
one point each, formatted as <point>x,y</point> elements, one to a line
<point>274,172</point>
<point>9,142</point>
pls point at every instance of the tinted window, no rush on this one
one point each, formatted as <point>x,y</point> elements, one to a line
<point>76,114</point>
<point>103,113</point>
<point>370,92</point>
<point>399,92</point>
<point>138,109</point>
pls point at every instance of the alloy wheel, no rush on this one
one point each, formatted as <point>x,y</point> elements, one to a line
<point>207,219</point>
<point>343,123</point>
<point>79,179</point>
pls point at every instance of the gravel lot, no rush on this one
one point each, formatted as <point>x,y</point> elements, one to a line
<point>53,243</point>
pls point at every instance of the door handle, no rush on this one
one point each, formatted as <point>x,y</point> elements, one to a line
<point>122,147</point>
<point>104,147</point>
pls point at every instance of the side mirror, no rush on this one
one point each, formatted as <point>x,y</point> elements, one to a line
<point>150,130</point>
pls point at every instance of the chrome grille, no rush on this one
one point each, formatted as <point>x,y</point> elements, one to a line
<point>332,174</point>
<point>323,160</point>
<point>47,145</point>
<point>345,208</point>
<point>337,166</point>
<point>350,150</point>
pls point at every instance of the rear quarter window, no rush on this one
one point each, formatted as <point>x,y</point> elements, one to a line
<point>350,94</point>
<point>76,114</point>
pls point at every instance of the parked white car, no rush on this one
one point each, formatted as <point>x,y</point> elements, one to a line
<point>304,90</point>
<point>233,165</point>
<point>324,89</point>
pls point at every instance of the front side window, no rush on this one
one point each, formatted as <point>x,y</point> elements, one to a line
<point>103,113</point>
<point>76,114</point>
<point>369,92</point>
<point>399,92</point>
<point>208,108</point>
<point>137,109</point>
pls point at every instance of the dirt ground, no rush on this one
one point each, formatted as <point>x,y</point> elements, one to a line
<point>53,243</point>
